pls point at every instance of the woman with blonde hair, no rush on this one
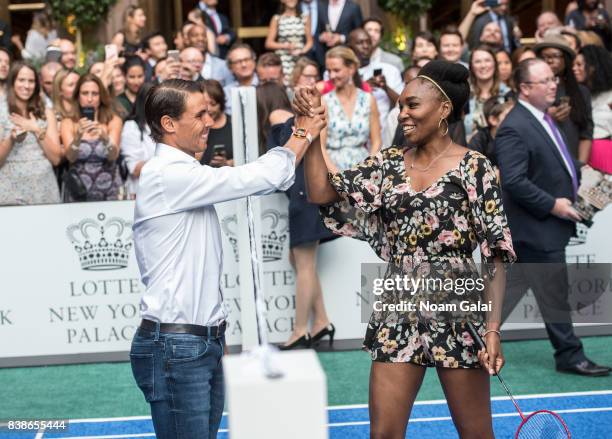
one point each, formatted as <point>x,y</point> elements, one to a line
<point>130,37</point>
<point>353,130</point>
<point>64,83</point>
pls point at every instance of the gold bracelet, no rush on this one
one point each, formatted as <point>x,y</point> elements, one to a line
<point>492,330</point>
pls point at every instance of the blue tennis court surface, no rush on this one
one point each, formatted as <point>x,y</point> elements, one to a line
<point>587,414</point>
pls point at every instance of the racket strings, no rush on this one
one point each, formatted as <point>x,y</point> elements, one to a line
<point>543,425</point>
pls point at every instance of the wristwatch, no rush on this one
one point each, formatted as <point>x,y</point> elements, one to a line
<point>301,133</point>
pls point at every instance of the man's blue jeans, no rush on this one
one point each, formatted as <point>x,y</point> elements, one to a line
<point>182,378</point>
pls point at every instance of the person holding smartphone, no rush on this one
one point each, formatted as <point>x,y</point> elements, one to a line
<point>385,79</point>
<point>220,151</point>
<point>91,144</point>
<point>572,109</point>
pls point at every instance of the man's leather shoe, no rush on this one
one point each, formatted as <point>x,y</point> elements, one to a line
<point>586,368</point>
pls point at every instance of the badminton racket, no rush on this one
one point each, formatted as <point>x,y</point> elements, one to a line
<point>541,424</point>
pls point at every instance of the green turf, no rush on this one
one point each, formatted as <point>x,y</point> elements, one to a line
<point>108,390</point>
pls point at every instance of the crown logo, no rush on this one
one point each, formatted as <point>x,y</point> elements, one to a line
<point>101,245</point>
<point>275,234</point>
<point>275,226</point>
<point>229,225</point>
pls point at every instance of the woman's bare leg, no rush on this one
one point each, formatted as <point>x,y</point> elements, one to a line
<point>469,400</point>
<point>307,289</point>
<point>393,389</point>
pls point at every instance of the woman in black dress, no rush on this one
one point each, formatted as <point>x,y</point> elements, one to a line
<point>424,210</point>
<point>220,150</point>
<point>306,229</point>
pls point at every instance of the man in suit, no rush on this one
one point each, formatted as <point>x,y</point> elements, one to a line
<point>336,18</point>
<point>156,48</point>
<point>499,15</point>
<point>539,181</point>
<point>219,24</point>
<point>312,8</point>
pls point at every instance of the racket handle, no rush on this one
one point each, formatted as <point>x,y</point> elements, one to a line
<point>476,336</point>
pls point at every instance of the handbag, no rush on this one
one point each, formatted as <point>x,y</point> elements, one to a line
<point>74,185</point>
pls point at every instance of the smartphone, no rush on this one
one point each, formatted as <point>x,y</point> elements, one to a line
<point>491,3</point>
<point>110,52</point>
<point>561,100</point>
<point>20,136</point>
<point>53,54</point>
<point>173,55</point>
<point>377,72</point>
<point>88,112</point>
<point>219,150</point>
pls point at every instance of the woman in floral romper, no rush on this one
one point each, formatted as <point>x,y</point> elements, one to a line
<point>424,210</point>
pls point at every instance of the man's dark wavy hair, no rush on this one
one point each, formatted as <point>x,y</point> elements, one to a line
<point>168,99</point>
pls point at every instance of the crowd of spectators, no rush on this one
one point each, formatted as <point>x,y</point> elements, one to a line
<point>77,133</point>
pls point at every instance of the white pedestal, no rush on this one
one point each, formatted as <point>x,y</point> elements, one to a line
<point>293,406</point>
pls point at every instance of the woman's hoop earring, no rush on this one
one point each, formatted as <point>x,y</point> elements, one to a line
<point>440,126</point>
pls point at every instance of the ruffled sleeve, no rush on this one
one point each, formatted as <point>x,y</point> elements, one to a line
<point>358,213</point>
<point>487,211</point>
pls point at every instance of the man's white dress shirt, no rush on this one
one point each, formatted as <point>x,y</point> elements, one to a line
<point>177,236</point>
<point>334,11</point>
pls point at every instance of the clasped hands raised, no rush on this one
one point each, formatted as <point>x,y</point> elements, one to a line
<point>311,114</point>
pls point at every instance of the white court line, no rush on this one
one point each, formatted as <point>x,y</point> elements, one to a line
<point>358,423</point>
<point>495,415</point>
<point>360,406</point>
<point>494,398</point>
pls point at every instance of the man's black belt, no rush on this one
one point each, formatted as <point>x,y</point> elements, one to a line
<point>184,328</point>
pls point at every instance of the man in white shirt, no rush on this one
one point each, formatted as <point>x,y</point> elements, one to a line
<point>176,353</point>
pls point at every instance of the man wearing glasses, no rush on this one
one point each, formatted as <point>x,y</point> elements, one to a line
<point>539,181</point>
<point>241,62</point>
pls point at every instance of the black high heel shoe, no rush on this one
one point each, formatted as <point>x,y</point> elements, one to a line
<point>329,330</point>
<point>303,342</point>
